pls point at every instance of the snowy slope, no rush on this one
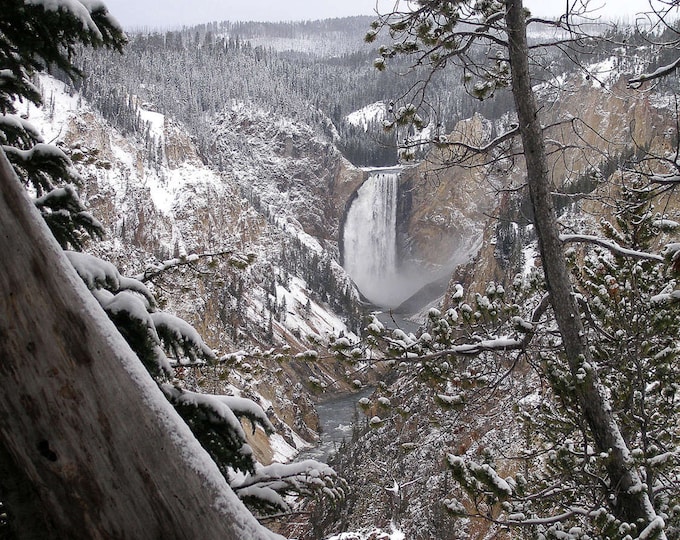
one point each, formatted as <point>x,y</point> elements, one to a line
<point>372,113</point>
<point>158,200</point>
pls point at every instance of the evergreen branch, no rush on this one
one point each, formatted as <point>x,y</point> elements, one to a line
<point>273,517</point>
<point>500,344</point>
<point>154,271</point>
<point>611,246</point>
<point>512,132</point>
<point>547,520</point>
<point>662,71</point>
<point>665,179</point>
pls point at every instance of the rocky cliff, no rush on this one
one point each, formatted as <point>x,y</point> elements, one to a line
<point>283,166</point>
<point>593,131</point>
<point>243,271</point>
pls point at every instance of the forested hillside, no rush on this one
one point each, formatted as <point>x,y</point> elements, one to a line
<point>539,397</point>
<point>318,72</point>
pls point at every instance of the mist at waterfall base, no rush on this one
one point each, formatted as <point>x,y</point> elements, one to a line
<point>370,244</point>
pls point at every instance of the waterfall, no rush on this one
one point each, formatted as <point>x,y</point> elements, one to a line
<point>370,232</point>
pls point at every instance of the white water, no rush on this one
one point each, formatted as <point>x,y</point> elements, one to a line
<point>370,253</point>
<point>370,246</point>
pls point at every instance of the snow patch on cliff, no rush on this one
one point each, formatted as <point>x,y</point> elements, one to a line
<point>374,112</point>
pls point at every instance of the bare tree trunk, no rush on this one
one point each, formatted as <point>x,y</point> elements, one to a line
<point>632,502</point>
<point>89,447</point>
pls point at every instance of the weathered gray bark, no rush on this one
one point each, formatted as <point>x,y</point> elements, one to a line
<point>603,427</point>
<point>88,447</point>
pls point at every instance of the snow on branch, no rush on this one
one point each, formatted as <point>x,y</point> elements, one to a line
<point>408,348</point>
<point>559,518</point>
<point>216,426</point>
<point>659,72</point>
<point>285,471</point>
<point>132,306</point>
<point>611,246</point>
<point>666,297</point>
<point>512,132</point>
<point>153,271</point>
<point>40,151</point>
<point>226,408</point>
<point>503,343</point>
<point>482,477</point>
<point>64,197</point>
<point>128,301</point>
<point>98,273</point>
<point>95,272</point>
<point>178,335</point>
<point>66,216</point>
<point>672,252</point>
<point>132,284</point>
<point>667,179</point>
<point>128,312</point>
<point>656,526</point>
<point>42,165</point>
<point>18,128</point>
<point>247,408</point>
<point>498,344</point>
<point>82,11</point>
<point>268,485</point>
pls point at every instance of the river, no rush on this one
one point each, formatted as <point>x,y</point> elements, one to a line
<point>336,416</point>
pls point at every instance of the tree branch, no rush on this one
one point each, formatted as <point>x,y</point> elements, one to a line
<point>662,71</point>
<point>152,272</point>
<point>611,246</point>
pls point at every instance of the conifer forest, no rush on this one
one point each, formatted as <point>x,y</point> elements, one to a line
<point>406,276</point>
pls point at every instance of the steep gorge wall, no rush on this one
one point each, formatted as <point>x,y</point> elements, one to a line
<point>592,130</point>
<point>448,205</point>
<point>283,165</point>
<point>168,203</point>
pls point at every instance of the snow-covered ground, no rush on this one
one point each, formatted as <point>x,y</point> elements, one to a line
<point>179,211</point>
<point>371,534</point>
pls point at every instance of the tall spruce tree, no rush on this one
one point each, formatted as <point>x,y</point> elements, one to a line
<point>438,33</point>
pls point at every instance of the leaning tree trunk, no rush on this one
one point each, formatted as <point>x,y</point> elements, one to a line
<point>89,447</point>
<point>631,504</point>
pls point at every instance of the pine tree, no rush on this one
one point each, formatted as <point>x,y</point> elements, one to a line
<point>34,37</point>
<point>635,325</point>
<point>439,34</point>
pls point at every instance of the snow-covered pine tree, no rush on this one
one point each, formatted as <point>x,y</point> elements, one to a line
<point>83,425</point>
<point>438,34</point>
<point>632,325</point>
<point>61,26</point>
<point>35,36</point>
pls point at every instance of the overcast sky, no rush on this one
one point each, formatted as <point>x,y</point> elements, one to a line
<point>176,13</point>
